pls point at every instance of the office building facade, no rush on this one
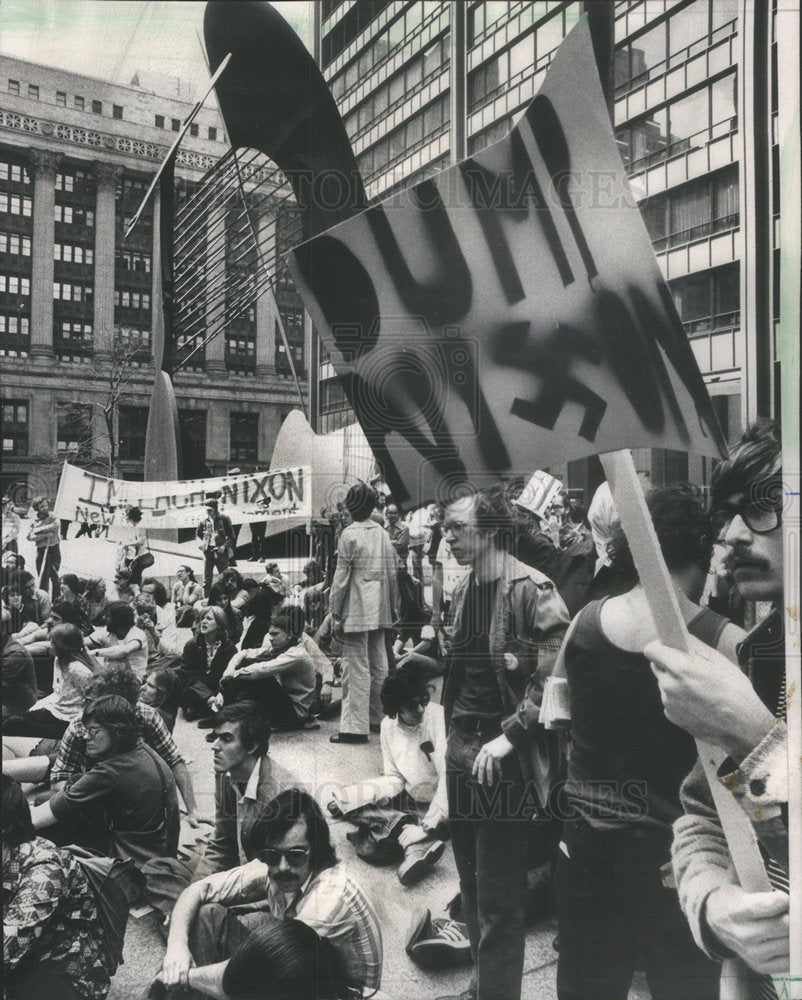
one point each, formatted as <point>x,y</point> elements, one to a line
<point>698,115</point>
<point>77,155</point>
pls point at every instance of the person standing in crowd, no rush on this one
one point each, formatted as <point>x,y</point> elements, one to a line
<point>126,805</point>
<point>296,876</point>
<point>624,774</point>
<point>419,534</point>
<point>186,590</point>
<point>45,533</point>
<point>743,712</point>
<point>258,529</point>
<point>364,601</point>
<point>52,937</point>
<point>509,622</point>
<point>216,534</point>
<point>398,531</point>
<point>73,669</point>
<point>531,545</point>
<point>11,526</point>
<point>603,518</point>
<point>133,545</point>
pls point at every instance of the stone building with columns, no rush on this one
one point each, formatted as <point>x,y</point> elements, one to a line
<point>76,298</point>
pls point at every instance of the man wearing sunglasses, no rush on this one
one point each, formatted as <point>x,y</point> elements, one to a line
<point>295,876</point>
<point>715,701</point>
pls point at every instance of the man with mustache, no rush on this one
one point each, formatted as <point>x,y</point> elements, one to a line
<point>295,876</point>
<point>742,712</point>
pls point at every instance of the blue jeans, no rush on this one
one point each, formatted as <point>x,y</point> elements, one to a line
<point>489,836</point>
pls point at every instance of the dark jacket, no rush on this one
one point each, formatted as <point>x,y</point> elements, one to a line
<point>199,677</point>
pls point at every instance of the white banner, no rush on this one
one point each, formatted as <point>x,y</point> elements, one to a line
<point>86,497</point>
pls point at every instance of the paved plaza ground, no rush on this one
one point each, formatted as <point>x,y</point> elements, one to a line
<point>319,765</point>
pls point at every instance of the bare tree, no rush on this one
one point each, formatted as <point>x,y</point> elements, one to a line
<point>113,376</point>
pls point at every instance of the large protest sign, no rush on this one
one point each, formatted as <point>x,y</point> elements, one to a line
<point>509,313</point>
<point>86,497</point>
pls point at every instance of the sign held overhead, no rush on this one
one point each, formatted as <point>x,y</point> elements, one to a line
<point>509,313</point>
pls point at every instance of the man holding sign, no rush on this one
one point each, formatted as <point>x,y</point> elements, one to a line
<point>707,695</point>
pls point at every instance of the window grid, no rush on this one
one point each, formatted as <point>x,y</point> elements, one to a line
<point>243,437</point>
<point>15,428</point>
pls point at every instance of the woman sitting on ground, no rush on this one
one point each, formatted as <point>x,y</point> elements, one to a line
<point>120,640</point>
<point>165,612</point>
<point>72,670</point>
<point>401,815</point>
<point>204,660</point>
<point>176,636</point>
<point>186,590</point>
<point>220,597</point>
<point>96,601</point>
<point>160,690</point>
<point>280,677</point>
<point>256,614</point>
<point>72,591</point>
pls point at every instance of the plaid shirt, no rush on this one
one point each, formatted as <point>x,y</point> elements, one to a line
<point>330,902</point>
<point>71,761</point>
<point>50,915</point>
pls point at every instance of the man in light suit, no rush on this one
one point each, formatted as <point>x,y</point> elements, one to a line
<point>364,602</point>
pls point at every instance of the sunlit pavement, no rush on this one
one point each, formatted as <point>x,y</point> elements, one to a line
<point>319,766</point>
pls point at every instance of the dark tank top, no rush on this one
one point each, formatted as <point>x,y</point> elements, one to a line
<point>627,760</point>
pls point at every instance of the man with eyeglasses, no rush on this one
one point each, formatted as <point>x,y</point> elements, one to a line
<point>742,711</point>
<point>509,622</point>
<point>295,876</point>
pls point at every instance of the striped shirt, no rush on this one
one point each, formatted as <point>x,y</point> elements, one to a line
<point>331,903</point>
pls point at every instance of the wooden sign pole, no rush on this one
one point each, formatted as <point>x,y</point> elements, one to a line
<point>630,503</point>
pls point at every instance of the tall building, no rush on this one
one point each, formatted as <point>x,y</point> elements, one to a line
<point>697,115</point>
<point>77,154</point>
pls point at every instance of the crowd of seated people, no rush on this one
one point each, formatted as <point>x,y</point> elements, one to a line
<point>265,893</point>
